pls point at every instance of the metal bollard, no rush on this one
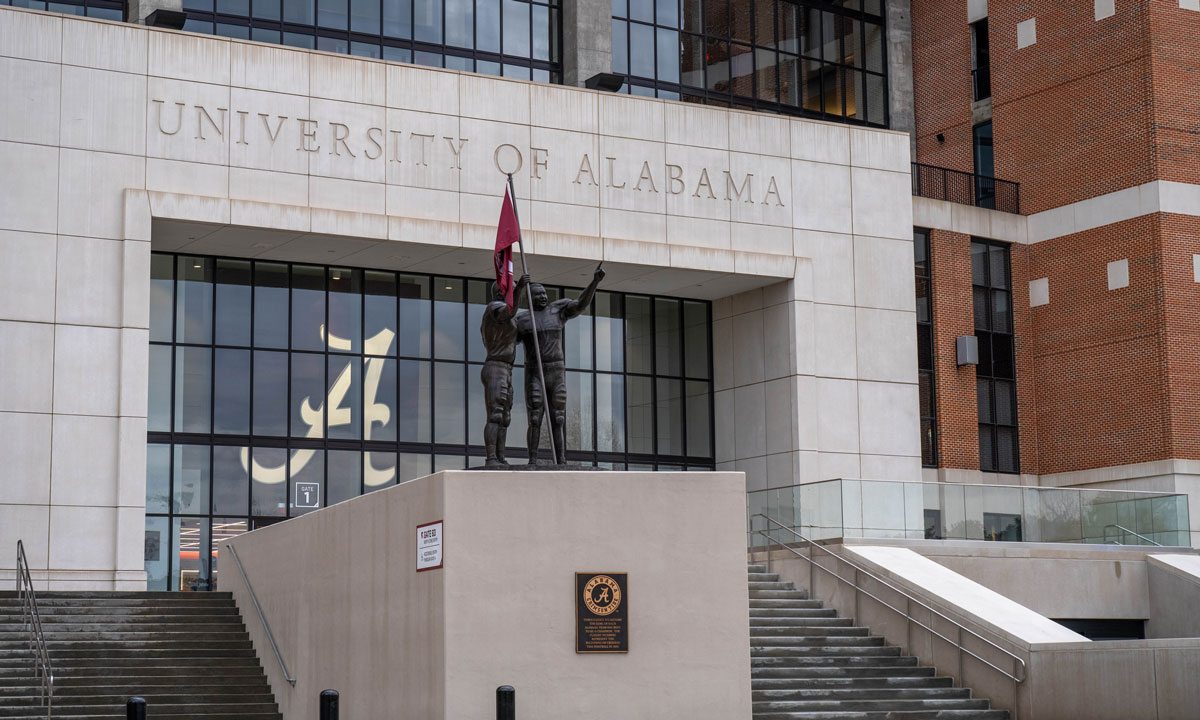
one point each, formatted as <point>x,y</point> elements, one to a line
<point>135,708</point>
<point>329,705</point>
<point>506,703</point>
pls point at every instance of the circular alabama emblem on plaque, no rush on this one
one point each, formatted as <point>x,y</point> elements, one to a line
<point>602,595</point>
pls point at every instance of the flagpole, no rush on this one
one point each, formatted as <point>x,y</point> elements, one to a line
<point>537,350</point>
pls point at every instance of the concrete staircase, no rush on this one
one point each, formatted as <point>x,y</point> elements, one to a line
<point>188,654</point>
<point>808,663</point>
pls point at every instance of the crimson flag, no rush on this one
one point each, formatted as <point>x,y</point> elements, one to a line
<point>507,234</point>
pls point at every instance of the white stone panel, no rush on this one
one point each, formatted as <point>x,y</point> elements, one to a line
<point>697,232</point>
<point>90,281</point>
<point>264,129</point>
<point>483,210</point>
<point>833,466</point>
<point>749,364</point>
<point>620,186</point>
<point>1105,9</point>
<point>490,98</point>
<point>350,149</point>
<point>96,110</point>
<point>626,225</point>
<point>563,178</point>
<point>29,524</point>
<point>879,150</point>
<point>834,341</point>
<point>25,457</point>
<point>485,163</point>
<point>749,421</point>
<point>135,372</point>
<point>200,58</point>
<point>187,178</point>
<point>268,187</point>
<point>887,345</point>
<point>31,36</point>
<point>804,322</point>
<point>268,67</point>
<point>440,205</point>
<point>778,398</point>
<point>976,10</point>
<point>889,419</point>
<point>832,265</point>
<point>755,470</point>
<point>346,195</point>
<point>821,197</point>
<point>83,538</point>
<point>760,133</point>
<point>422,89</point>
<point>887,210</point>
<point>86,370</point>
<point>30,113</point>
<point>425,150</point>
<point>89,190</point>
<point>85,461</point>
<point>768,239</point>
<point>552,106</point>
<point>105,46</point>
<point>135,294</point>
<point>820,142</point>
<point>580,222</point>
<point>1026,33</point>
<point>765,185</point>
<point>781,470</point>
<point>1039,292</point>
<point>26,351</point>
<point>696,125</point>
<point>837,413</point>
<point>1118,274</point>
<point>1196,268</point>
<point>188,121</point>
<point>804,412</point>
<point>722,350</point>
<point>339,77</point>
<point>1190,4</point>
<point>882,277</point>
<point>632,117</point>
<point>890,467</point>
<point>27,277</point>
<point>29,199</point>
<point>779,347</point>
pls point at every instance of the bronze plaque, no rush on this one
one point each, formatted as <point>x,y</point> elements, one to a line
<point>601,612</point>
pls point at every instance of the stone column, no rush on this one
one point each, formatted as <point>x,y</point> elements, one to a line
<point>587,40</point>
<point>139,9</point>
<point>900,69</point>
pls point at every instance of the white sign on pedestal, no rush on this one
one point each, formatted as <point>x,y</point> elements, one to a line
<point>429,546</point>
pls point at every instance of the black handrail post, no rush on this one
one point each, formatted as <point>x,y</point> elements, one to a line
<point>329,704</point>
<point>506,703</point>
<point>135,708</point>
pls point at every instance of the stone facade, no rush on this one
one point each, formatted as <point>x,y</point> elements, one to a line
<point>118,138</point>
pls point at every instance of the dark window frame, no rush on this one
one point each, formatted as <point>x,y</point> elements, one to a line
<point>926,374</point>
<point>997,358</point>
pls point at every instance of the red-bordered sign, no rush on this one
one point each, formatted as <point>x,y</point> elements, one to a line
<point>429,546</point>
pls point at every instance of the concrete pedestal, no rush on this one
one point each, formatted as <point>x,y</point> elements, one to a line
<point>350,611</point>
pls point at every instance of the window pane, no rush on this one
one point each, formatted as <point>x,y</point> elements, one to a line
<point>516,28</point>
<point>987,455</point>
<point>716,18</point>
<point>162,303</point>
<point>414,408</point>
<point>1006,403</point>
<point>477,300</point>
<point>692,52</point>
<point>193,399</point>
<point>397,19</point>
<point>379,470</point>
<point>998,259</point>
<point>379,392</point>
<point>983,394</point>
<point>191,478</point>
<point>545,29</point>
<point>610,332</point>
<point>298,11</point>
<point>270,305</point>
<point>231,391</point>
<point>448,319</point>
<point>982,317</point>
<point>157,553</point>
<point>344,404</point>
<point>460,22</point>
<point>487,25</point>
<point>413,466</point>
<point>268,489</point>
<point>668,337</point>
<point>620,44</point>
<point>267,10</point>
<point>158,409</point>
<point>414,316</point>
<point>231,483</point>
<point>610,413</point>
<point>270,393</point>
<point>158,478</point>
<point>194,554</point>
<point>642,10</point>
<point>1001,318</point>
<point>450,402</point>
<point>233,302</point>
<point>364,17</point>
<point>307,480</point>
<point>695,334</point>
<point>670,417</point>
<point>427,21</point>
<point>344,333</point>
<point>641,50</point>
<point>308,307</point>
<point>580,411</point>
<point>638,334</point>
<point>307,403</point>
<point>699,426</point>
<point>692,15</point>
<point>578,338</point>
<point>640,414</point>
<point>379,313</point>
<point>343,475</point>
<point>1006,450</point>
<point>979,264</point>
<point>193,300</point>
<point>668,55</point>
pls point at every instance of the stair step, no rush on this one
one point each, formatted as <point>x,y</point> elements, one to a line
<point>772,585</point>
<point>854,693</point>
<point>887,715</point>
<point>869,682</point>
<point>796,603</point>
<point>52,614</point>
<point>781,594</point>
<point>806,631</point>
<point>763,577</point>
<point>156,711</point>
<point>849,705</point>
<point>841,670</point>
<point>814,622</point>
<point>170,596</point>
<point>10,641</point>
<point>850,645</point>
<point>783,611</point>
<point>130,623</point>
<point>756,568</point>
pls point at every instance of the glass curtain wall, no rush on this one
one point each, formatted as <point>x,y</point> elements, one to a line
<point>280,388</point>
<point>513,38</point>
<point>822,59</point>
<point>996,373</point>
<point>104,9</point>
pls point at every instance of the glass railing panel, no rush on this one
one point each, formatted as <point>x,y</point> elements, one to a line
<point>914,511</point>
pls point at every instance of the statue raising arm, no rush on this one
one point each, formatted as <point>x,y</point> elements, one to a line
<point>574,308</point>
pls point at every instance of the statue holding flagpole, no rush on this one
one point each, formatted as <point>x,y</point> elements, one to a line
<point>540,330</point>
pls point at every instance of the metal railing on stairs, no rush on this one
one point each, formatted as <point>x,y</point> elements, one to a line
<point>1126,531</point>
<point>1018,674</point>
<point>261,616</point>
<point>32,622</point>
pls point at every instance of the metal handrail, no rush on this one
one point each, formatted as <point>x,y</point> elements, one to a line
<point>909,598</point>
<point>1129,532</point>
<point>31,619</point>
<point>263,618</point>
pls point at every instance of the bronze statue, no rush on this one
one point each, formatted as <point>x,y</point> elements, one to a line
<point>500,340</point>
<point>551,319</point>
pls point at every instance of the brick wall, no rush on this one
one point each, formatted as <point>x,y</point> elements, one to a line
<point>1180,239</point>
<point>1175,62</point>
<point>942,90</point>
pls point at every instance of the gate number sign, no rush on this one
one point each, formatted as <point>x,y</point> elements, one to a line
<point>308,495</point>
<point>429,546</point>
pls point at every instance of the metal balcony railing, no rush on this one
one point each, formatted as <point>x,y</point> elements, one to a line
<point>966,188</point>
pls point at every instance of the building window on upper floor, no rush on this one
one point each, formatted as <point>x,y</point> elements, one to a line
<point>981,70</point>
<point>996,375</point>
<point>511,38</point>
<point>103,9</point>
<point>924,284</point>
<point>817,59</point>
<point>985,166</point>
